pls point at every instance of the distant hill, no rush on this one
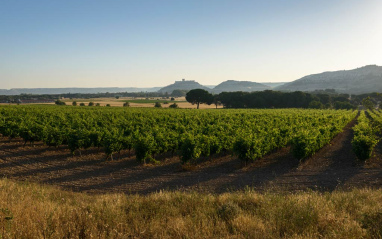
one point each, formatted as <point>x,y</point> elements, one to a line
<point>361,80</point>
<point>365,79</point>
<point>273,84</point>
<point>246,86</point>
<point>9,92</point>
<point>183,85</point>
<point>41,91</point>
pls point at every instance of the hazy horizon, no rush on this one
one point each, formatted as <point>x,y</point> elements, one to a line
<point>159,86</point>
<point>99,44</point>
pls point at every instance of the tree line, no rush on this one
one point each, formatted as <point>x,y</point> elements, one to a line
<point>271,99</point>
<point>323,99</point>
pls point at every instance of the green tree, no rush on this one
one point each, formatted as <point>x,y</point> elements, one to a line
<point>178,93</point>
<point>368,103</point>
<point>216,100</point>
<point>343,105</point>
<point>199,96</point>
<point>158,105</point>
<point>91,103</point>
<point>316,105</point>
<point>74,103</point>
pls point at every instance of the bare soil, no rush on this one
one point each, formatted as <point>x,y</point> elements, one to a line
<point>333,167</point>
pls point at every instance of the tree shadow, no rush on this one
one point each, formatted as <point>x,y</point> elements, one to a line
<point>262,172</point>
<point>110,177</point>
<point>226,176</point>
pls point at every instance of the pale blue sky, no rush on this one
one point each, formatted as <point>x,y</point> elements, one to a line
<point>123,43</point>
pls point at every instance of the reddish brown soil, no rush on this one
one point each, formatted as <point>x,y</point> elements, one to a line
<point>334,166</point>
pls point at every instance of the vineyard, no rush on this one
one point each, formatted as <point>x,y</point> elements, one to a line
<point>148,133</point>
<point>142,150</point>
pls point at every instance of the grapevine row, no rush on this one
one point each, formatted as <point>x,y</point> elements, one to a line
<point>365,135</point>
<point>250,134</point>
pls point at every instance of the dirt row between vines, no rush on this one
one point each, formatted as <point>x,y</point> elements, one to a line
<point>333,167</point>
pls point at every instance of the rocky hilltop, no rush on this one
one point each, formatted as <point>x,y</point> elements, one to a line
<point>246,86</point>
<point>183,85</point>
<point>361,80</point>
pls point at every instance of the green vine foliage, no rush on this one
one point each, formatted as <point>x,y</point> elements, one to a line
<point>147,133</point>
<point>365,135</point>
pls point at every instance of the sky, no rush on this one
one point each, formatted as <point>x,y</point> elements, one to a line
<point>151,43</point>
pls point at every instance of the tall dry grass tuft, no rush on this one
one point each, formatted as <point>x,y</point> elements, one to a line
<point>35,211</point>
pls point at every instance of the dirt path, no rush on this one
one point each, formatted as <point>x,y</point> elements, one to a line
<point>334,166</point>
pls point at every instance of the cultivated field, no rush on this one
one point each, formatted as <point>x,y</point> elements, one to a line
<point>141,102</point>
<point>225,173</point>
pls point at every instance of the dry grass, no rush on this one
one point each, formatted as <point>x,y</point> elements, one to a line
<point>34,211</point>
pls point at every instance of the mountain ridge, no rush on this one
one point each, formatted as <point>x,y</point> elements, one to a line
<point>366,79</point>
<point>361,80</point>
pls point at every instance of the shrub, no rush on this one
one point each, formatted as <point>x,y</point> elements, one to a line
<point>174,106</point>
<point>74,103</point>
<point>82,104</point>
<point>91,103</point>
<point>126,104</point>
<point>59,102</point>
<point>158,105</point>
<point>228,211</point>
<point>108,105</point>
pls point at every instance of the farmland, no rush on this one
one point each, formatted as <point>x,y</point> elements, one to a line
<point>250,134</point>
<point>137,102</point>
<point>145,150</point>
<point>215,163</point>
